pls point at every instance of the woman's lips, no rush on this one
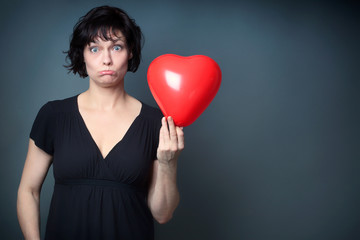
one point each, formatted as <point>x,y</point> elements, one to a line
<point>107,72</point>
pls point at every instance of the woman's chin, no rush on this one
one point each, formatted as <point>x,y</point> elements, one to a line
<point>108,81</point>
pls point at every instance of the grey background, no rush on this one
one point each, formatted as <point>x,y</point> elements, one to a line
<point>276,154</point>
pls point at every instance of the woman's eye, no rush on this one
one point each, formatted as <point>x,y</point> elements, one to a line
<point>117,48</point>
<point>94,49</point>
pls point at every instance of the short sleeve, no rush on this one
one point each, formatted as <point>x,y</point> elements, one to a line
<point>156,130</point>
<point>42,131</point>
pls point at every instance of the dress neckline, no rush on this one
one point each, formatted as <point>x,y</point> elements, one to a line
<point>91,137</point>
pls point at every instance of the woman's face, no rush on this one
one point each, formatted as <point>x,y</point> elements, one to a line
<point>107,61</point>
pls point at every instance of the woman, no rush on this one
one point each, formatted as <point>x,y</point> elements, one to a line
<point>114,158</point>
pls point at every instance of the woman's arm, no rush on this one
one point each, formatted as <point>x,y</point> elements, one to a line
<point>163,195</point>
<point>28,201</point>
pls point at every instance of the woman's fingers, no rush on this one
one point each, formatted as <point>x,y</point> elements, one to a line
<point>180,138</point>
<point>171,140</point>
<point>173,133</point>
<point>176,135</point>
<point>164,133</point>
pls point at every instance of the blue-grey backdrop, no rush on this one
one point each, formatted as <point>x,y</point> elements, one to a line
<point>276,154</point>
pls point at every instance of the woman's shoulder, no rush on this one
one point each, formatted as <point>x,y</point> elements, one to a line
<point>151,112</point>
<point>61,105</point>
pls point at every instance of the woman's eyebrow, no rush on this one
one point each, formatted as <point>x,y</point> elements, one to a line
<point>95,41</point>
<point>118,40</point>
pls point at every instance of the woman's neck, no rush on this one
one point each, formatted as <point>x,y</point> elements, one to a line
<point>106,99</point>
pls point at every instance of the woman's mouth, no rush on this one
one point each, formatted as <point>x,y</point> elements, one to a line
<point>107,72</point>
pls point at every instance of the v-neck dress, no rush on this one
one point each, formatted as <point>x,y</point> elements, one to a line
<point>94,197</point>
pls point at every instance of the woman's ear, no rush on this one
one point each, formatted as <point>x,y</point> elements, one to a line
<point>130,56</point>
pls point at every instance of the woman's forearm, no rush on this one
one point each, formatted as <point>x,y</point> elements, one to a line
<point>28,211</point>
<point>165,196</point>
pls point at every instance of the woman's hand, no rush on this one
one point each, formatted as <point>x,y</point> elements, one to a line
<point>171,141</point>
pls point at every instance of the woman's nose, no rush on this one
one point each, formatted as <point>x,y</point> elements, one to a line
<point>107,58</point>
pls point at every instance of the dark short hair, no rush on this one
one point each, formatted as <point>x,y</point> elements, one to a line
<point>102,22</point>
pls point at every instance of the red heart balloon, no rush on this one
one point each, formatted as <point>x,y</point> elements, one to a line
<point>183,87</point>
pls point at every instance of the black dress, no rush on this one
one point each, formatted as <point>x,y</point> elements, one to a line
<point>96,197</point>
